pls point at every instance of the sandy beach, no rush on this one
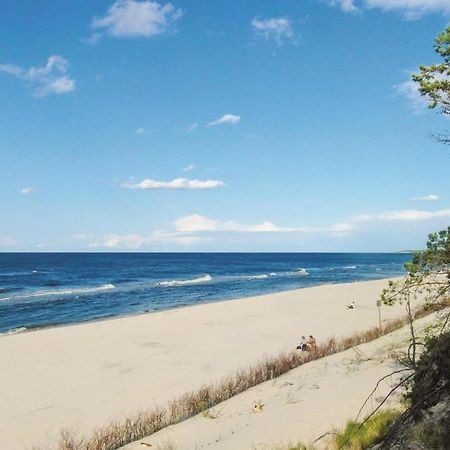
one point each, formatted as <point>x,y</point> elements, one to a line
<point>82,376</point>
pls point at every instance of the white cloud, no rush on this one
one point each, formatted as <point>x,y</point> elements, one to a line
<point>189,168</point>
<point>410,90</point>
<point>50,79</point>
<point>188,231</point>
<point>140,131</point>
<point>26,190</point>
<point>93,39</point>
<point>117,241</point>
<point>411,9</point>
<point>345,5</point>
<point>177,183</point>
<point>407,215</point>
<point>275,28</point>
<point>429,197</point>
<point>136,241</point>
<point>131,18</point>
<point>227,118</point>
<point>195,228</point>
<point>196,223</point>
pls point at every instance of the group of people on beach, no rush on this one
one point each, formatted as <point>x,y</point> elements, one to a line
<point>307,345</point>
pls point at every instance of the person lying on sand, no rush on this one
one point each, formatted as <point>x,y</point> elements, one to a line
<point>351,306</point>
<point>303,345</point>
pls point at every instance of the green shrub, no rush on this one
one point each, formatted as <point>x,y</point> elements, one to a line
<point>355,438</point>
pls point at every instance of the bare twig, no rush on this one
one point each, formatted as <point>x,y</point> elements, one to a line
<point>376,387</point>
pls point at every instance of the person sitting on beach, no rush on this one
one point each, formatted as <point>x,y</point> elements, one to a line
<point>303,345</point>
<point>311,343</point>
<point>351,306</point>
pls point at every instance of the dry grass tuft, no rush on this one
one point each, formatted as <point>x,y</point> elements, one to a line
<point>120,433</point>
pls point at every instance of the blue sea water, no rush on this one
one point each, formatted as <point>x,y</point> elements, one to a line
<point>46,289</point>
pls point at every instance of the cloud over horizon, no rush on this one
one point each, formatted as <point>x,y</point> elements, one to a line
<point>177,183</point>
<point>196,223</point>
<point>407,215</point>
<point>132,18</point>
<point>135,241</point>
<point>49,79</point>
<point>195,229</point>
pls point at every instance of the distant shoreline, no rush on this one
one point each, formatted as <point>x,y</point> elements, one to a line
<point>143,313</point>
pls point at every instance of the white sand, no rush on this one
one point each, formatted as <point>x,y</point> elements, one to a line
<point>79,377</point>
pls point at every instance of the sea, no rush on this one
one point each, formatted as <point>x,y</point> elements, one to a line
<point>49,289</point>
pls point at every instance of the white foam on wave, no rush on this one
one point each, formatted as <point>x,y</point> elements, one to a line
<point>59,292</point>
<point>256,277</point>
<point>14,331</point>
<point>273,274</point>
<point>350,267</point>
<point>302,272</point>
<point>198,280</point>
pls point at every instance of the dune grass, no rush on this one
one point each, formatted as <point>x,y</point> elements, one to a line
<point>371,432</point>
<point>144,424</point>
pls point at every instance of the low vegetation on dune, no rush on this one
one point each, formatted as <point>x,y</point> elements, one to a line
<point>360,436</point>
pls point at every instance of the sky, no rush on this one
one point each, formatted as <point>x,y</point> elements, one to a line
<point>190,126</point>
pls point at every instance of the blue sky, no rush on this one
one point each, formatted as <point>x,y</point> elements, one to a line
<point>219,126</point>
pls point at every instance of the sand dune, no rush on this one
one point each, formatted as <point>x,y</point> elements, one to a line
<point>302,405</point>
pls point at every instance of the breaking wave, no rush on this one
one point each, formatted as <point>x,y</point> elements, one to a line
<point>256,277</point>
<point>59,292</point>
<point>173,283</point>
<point>301,272</point>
